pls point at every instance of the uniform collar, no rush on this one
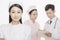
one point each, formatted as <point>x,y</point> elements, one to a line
<point>14,25</point>
<point>53,20</point>
<point>31,21</point>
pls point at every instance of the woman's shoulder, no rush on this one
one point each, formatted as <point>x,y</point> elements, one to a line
<point>4,25</point>
<point>26,29</point>
<point>37,23</point>
<point>26,26</point>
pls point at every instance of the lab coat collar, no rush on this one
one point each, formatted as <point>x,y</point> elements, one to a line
<point>54,19</point>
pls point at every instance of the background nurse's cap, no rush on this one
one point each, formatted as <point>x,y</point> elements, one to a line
<point>31,8</point>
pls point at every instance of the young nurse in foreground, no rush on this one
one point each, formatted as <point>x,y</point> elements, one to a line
<point>15,30</point>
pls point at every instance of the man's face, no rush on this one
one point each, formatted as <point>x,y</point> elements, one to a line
<point>50,13</point>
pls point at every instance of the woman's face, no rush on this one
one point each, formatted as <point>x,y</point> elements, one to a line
<point>15,13</point>
<point>34,15</point>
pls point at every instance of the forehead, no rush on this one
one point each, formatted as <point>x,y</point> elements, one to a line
<point>15,8</point>
<point>34,12</point>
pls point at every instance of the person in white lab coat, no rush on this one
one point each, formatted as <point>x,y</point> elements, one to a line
<point>32,23</point>
<point>15,30</point>
<point>52,26</point>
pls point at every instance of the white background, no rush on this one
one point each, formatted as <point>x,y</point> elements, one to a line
<point>40,4</point>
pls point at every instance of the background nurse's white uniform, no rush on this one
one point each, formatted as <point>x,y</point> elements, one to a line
<point>34,29</point>
<point>53,28</point>
<point>14,32</point>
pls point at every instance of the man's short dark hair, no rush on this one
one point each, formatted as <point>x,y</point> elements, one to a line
<point>49,6</point>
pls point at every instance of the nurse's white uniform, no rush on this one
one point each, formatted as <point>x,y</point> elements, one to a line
<point>53,28</point>
<point>34,29</point>
<point>14,32</point>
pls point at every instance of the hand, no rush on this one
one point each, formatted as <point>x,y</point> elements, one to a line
<point>48,34</point>
<point>2,39</point>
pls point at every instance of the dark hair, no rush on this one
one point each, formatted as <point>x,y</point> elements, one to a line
<point>32,11</point>
<point>49,6</point>
<point>15,5</point>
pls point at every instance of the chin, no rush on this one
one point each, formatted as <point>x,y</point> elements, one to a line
<point>16,20</point>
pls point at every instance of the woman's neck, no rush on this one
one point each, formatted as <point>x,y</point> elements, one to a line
<point>33,21</point>
<point>15,22</point>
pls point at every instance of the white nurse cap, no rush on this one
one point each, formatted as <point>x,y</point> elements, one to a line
<point>31,8</point>
<point>16,2</point>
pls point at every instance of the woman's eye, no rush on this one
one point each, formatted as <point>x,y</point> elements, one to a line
<point>13,12</point>
<point>18,12</point>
